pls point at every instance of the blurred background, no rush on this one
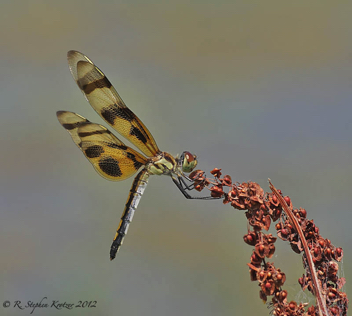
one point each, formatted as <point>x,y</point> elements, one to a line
<point>261,89</point>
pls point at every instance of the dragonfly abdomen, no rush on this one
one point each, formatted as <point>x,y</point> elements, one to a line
<point>136,192</point>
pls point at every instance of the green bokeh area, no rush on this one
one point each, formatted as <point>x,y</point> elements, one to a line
<point>261,89</point>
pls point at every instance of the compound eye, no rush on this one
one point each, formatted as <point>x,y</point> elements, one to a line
<point>189,161</point>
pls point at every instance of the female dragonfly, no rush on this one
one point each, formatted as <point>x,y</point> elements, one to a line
<point>110,157</point>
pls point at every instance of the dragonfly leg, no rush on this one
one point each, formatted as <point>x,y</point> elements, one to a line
<point>185,185</point>
<point>182,186</point>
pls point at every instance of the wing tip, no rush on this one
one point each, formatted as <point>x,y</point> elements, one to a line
<point>60,115</point>
<point>71,53</point>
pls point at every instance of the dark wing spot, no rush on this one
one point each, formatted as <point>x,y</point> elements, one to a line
<point>109,115</point>
<point>110,166</point>
<point>85,134</point>
<point>136,163</point>
<point>70,126</point>
<point>113,111</point>
<point>94,151</point>
<point>97,84</point>
<point>112,145</point>
<point>126,114</point>
<point>137,133</point>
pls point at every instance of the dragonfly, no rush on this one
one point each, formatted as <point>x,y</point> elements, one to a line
<point>110,157</point>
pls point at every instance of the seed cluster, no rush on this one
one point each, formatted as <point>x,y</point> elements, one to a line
<point>320,256</point>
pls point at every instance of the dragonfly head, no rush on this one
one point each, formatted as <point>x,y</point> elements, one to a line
<point>188,161</point>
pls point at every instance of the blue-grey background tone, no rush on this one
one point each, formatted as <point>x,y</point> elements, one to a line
<point>261,89</point>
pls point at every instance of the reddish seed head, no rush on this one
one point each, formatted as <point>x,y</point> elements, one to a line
<point>255,258</point>
<point>227,180</point>
<point>333,265</point>
<point>283,294</point>
<point>287,200</point>
<point>274,199</point>
<point>300,281</point>
<point>277,311</point>
<point>262,207</point>
<point>216,191</point>
<point>249,239</point>
<point>311,310</point>
<point>198,187</point>
<point>216,172</point>
<point>332,290</point>
<point>253,275</point>
<point>196,174</point>
<point>303,212</point>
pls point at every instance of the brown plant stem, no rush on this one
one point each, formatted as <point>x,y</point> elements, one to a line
<point>320,297</point>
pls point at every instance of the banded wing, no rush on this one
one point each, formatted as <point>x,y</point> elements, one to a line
<point>108,104</point>
<point>110,157</point>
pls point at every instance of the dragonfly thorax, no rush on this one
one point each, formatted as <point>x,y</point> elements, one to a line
<point>163,163</point>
